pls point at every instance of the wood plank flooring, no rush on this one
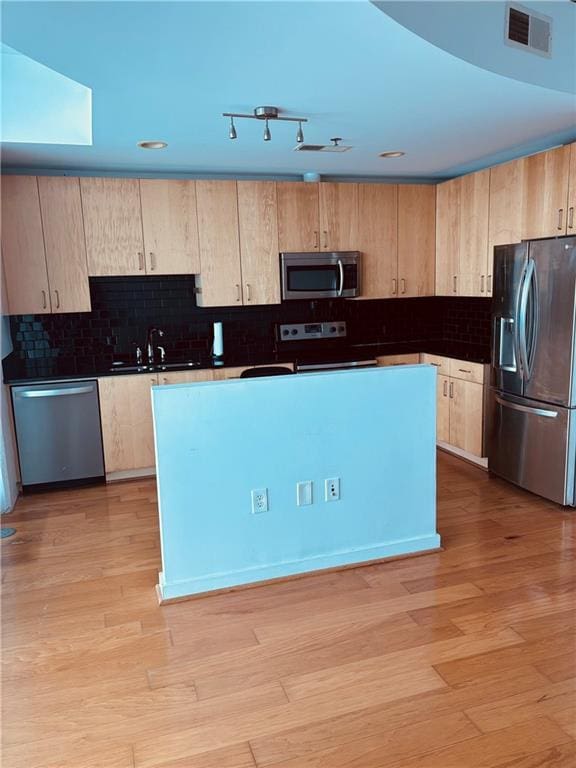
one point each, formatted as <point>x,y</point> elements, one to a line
<point>464,658</point>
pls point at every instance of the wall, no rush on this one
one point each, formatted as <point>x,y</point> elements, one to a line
<point>215,442</point>
<point>124,308</point>
<point>8,460</point>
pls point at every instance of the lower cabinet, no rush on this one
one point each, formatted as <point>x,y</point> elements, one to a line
<point>408,359</point>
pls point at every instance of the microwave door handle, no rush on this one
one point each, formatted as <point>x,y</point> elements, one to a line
<point>341,268</point>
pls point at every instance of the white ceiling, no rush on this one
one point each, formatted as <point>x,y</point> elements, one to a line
<point>167,70</point>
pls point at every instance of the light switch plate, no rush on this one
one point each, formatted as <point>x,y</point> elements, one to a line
<point>304,493</point>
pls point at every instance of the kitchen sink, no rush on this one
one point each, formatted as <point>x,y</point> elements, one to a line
<point>121,367</point>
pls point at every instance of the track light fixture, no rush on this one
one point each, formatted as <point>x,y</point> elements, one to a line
<point>266,114</point>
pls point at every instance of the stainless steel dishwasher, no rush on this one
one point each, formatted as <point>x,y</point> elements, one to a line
<point>58,433</point>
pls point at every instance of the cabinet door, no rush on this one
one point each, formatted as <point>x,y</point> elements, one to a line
<point>61,208</point>
<point>23,251</point>
<point>259,242</point>
<point>411,358</point>
<point>416,239</point>
<point>113,226</point>
<point>447,237</point>
<point>473,258</point>
<point>298,216</point>
<point>220,280</point>
<point>338,216</point>
<point>127,429</point>
<point>571,221</point>
<point>466,412</point>
<point>506,213</point>
<point>170,227</point>
<point>378,240</point>
<point>186,377</point>
<point>442,409</point>
<point>546,193</point>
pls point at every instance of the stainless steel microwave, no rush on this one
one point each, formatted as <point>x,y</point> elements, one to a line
<point>320,275</point>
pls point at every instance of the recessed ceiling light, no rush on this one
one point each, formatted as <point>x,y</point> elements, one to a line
<point>395,153</point>
<point>152,144</point>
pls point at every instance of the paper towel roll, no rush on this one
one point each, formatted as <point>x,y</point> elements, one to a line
<point>218,343</point>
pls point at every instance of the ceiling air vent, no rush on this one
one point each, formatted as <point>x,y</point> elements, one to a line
<point>529,30</point>
<point>334,147</point>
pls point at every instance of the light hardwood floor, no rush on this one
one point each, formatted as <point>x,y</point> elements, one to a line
<point>459,659</point>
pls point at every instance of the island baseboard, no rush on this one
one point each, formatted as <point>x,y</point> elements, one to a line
<point>205,586</point>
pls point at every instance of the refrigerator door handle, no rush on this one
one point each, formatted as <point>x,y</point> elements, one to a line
<point>526,408</point>
<point>522,319</point>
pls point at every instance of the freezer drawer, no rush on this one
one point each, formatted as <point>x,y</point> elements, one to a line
<point>58,432</point>
<point>532,444</point>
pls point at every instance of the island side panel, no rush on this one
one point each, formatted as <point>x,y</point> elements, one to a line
<point>215,442</point>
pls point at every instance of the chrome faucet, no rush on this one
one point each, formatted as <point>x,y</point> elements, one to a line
<point>150,343</point>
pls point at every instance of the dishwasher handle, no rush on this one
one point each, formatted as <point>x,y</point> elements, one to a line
<point>60,392</point>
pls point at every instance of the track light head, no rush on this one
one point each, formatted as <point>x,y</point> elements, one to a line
<point>267,134</point>
<point>232,132</point>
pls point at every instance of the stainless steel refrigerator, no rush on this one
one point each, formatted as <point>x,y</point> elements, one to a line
<point>531,425</point>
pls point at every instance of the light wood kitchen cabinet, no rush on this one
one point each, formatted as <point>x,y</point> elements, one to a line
<point>448,195</point>
<point>466,415</point>
<point>113,226</point>
<point>338,216</point>
<point>186,377</point>
<point>23,251</point>
<point>220,281</point>
<point>411,358</point>
<point>259,253</point>
<point>378,240</point>
<point>442,364</point>
<point>505,219</point>
<point>464,369</point>
<point>235,372</point>
<point>473,253</point>
<point>416,239</point>
<point>126,414</point>
<point>63,226</point>
<point>571,219</point>
<point>170,226</point>
<point>298,216</point>
<point>546,183</point>
<point>442,408</point>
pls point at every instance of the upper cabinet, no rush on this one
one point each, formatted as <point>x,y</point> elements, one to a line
<point>546,181</point>
<point>505,220</point>
<point>259,254</point>
<point>462,264</point>
<point>448,203</point>
<point>43,245</point>
<point>378,239</point>
<point>23,250</point>
<point>298,216</point>
<point>220,282</point>
<point>61,209</point>
<point>416,239</point>
<point>113,226</point>
<point>338,216</point>
<point>571,219</point>
<point>170,226</point>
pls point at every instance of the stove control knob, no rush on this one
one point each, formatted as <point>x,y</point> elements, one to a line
<point>285,332</point>
<point>333,329</point>
<point>341,329</point>
<point>294,332</point>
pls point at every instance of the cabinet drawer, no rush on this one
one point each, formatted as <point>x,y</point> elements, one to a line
<point>409,359</point>
<point>467,371</point>
<point>442,363</point>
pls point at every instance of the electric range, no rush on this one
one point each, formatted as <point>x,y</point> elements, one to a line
<point>320,346</point>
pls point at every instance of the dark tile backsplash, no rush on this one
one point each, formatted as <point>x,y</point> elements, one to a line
<point>124,308</point>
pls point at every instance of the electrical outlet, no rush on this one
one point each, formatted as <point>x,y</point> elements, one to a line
<point>304,493</point>
<point>259,500</point>
<point>332,489</point>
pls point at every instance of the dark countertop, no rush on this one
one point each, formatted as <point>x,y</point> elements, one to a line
<point>17,371</point>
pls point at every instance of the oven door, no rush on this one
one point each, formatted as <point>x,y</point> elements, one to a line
<point>320,276</point>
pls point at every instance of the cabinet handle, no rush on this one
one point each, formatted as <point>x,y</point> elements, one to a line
<point>481,283</point>
<point>571,217</point>
<point>455,289</point>
<point>437,365</point>
<point>165,380</point>
<point>445,389</point>
<point>248,292</point>
<point>326,239</point>
<point>394,286</point>
<point>463,370</point>
<point>140,261</point>
<point>238,294</point>
<point>452,389</point>
<point>560,217</point>
<point>403,284</point>
<point>317,239</point>
<point>489,284</point>
<point>152,261</point>
<point>44,305</point>
<point>57,299</point>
